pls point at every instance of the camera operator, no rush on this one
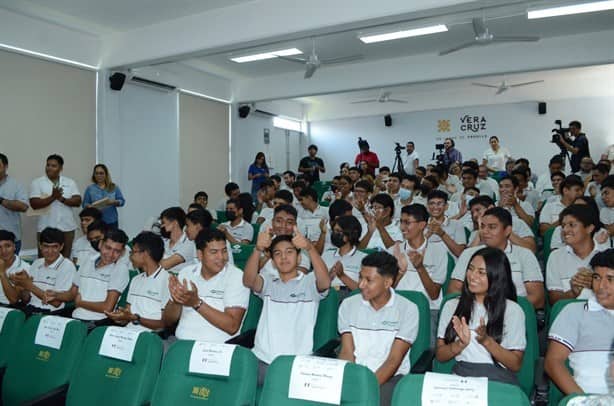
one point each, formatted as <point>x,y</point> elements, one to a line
<point>367,156</point>
<point>578,147</point>
<point>411,162</point>
<point>451,154</point>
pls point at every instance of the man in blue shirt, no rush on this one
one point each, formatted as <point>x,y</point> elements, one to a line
<point>451,154</point>
<point>13,200</point>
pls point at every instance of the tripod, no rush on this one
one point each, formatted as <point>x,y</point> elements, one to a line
<point>397,166</point>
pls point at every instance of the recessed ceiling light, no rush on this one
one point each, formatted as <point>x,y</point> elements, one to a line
<point>416,32</point>
<point>267,55</point>
<point>571,9</point>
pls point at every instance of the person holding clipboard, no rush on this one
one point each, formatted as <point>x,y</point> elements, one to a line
<point>104,195</point>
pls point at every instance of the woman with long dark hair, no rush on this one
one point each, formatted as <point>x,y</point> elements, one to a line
<point>484,328</point>
<point>257,173</point>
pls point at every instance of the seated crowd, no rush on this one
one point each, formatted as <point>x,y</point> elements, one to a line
<point>473,241</point>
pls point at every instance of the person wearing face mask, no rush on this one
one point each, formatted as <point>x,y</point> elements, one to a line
<point>236,229</point>
<point>344,261</point>
<point>81,248</point>
<point>178,249</point>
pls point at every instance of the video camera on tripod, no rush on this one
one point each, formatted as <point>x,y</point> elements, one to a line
<point>438,155</point>
<point>560,132</point>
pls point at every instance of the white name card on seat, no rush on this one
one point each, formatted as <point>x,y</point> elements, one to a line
<point>211,358</point>
<point>119,343</point>
<point>4,311</point>
<point>316,379</point>
<point>50,332</point>
<point>453,390</point>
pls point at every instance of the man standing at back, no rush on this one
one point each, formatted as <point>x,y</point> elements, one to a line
<point>13,200</point>
<point>412,160</point>
<point>311,165</point>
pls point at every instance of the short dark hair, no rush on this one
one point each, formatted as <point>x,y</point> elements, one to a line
<point>91,212</point>
<point>312,146</point>
<point>289,173</point>
<point>501,214</point>
<point>364,184</point>
<point>311,193</point>
<point>174,214</point>
<point>338,208</point>
<point>351,228</point>
<point>116,235</point>
<point>236,202</point>
<point>571,181</point>
<point>511,179</point>
<point>285,195</point>
<point>410,142</point>
<point>299,184</point>
<point>384,168</point>
<point>603,259</point>
<point>481,200</point>
<point>201,217</point>
<point>576,124</point>
<point>275,178</point>
<point>4,159</point>
<point>386,264</point>
<point>51,235</point>
<point>437,194</point>
<point>230,187</point>
<point>602,168</point>
<point>206,235</point>
<point>266,183</point>
<point>287,208</point>
<point>417,211</point>
<point>6,235</point>
<point>470,172</point>
<point>471,165</point>
<point>396,175</point>
<point>522,171</point>
<point>195,206</point>
<point>97,225</point>
<point>201,194</point>
<point>583,213</point>
<point>523,162</point>
<point>355,169</point>
<point>151,243</point>
<point>556,160</point>
<point>385,200</point>
<point>421,168</point>
<point>57,158</point>
<point>608,182</point>
<point>281,238</point>
<point>557,173</point>
<point>347,179</point>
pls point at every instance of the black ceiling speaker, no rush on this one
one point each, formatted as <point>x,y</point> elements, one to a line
<point>117,80</point>
<point>244,110</point>
<point>541,108</point>
<point>388,120</point>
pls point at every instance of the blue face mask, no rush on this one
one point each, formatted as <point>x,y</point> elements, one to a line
<point>404,193</point>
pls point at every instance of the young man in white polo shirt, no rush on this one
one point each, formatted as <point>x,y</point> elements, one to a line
<point>422,264</point>
<point>508,189</point>
<point>100,281</point>
<point>583,334</point>
<point>382,230</point>
<point>567,273</point>
<point>606,214</point>
<point>236,229</point>
<point>10,264</point>
<point>378,327</point>
<point>312,213</point>
<point>148,293</point>
<point>208,298</point>
<point>179,251</point>
<point>290,299</point>
<point>441,229</point>
<point>47,275</point>
<point>82,249</point>
<point>495,229</point>
<point>58,195</point>
<point>571,188</point>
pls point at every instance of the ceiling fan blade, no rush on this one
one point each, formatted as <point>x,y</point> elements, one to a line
<point>526,83</point>
<point>501,90</point>
<point>290,59</point>
<point>458,48</point>
<point>311,69</point>
<point>364,101</point>
<point>397,101</point>
<point>479,28</point>
<point>485,85</point>
<point>342,59</point>
<point>515,39</point>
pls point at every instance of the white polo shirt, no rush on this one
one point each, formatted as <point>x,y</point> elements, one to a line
<point>453,228</point>
<point>526,206</point>
<point>488,187</point>
<point>148,296</point>
<point>184,248</point>
<point>95,282</point>
<point>393,230</point>
<point>266,213</point>
<point>551,210</point>
<point>288,316</point>
<point>59,215</point>
<point>519,227</point>
<point>311,221</point>
<point>17,266</point>
<point>557,240</point>
<point>58,276</point>
<point>496,159</point>
<point>242,231</point>
<point>82,250</point>
<point>587,330</point>
<point>606,215</point>
<point>270,269</point>
<point>222,291</point>
<point>513,336</point>
<point>352,262</point>
<point>523,262</point>
<point>374,331</point>
<point>408,162</point>
<point>562,265</point>
<point>435,261</point>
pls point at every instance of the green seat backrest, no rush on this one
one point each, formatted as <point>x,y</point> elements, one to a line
<point>34,369</point>
<point>423,339</point>
<point>526,374</point>
<point>325,203</point>
<point>368,250</point>
<point>11,332</point>
<point>256,227</point>
<point>124,297</point>
<point>241,253</point>
<point>548,243</point>
<point>467,234</point>
<point>360,386</point>
<point>177,386</point>
<point>321,187</point>
<point>409,392</point>
<point>100,380</point>
<point>221,216</point>
<point>250,322</point>
<point>450,269</point>
<point>554,394</point>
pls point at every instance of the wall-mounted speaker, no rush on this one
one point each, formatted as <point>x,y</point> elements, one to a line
<point>244,110</point>
<point>388,120</point>
<point>117,80</point>
<point>541,108</point>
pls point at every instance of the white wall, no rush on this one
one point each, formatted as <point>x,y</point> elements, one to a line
<point>517,125</point>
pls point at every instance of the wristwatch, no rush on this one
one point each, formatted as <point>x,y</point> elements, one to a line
<point>137,321</point>
<point>200,303</point>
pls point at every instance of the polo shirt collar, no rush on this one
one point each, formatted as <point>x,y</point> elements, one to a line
<point>351,253</point>
<point>594,306</point>
<point>56,264</point>
<point>241,223</point>
<point>409,248</point>
<point>155,274</point>
<point>508,247</point>
<point>571,251</point>
<point>444,223</point>
<point>299,276</point>
<point>390,302</point>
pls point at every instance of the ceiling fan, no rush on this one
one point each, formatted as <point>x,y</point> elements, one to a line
<point>504,86</point>
<point>313,62</point>
<point>484,37</point>
<point>384,97</point>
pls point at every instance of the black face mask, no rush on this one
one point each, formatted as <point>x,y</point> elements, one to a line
<point>164,233</point>
<point>337,240</point>
<point>231,215</point>
<point>95,244</point>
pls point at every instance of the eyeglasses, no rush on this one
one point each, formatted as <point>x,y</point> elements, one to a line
<point>436,203</point>
<point>408,222</point>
